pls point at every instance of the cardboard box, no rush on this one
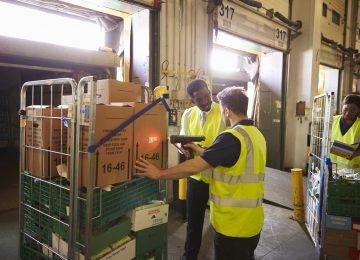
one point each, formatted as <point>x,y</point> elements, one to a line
<point>341,237</point>
<point>149,216</point>
<point>338,222</point>
<point>44,131</point>
<point>339,251</point>
<point>110,90</point>
<point>150,140</point>
<point>354,254</point>
<point>356,224</point>
<point>59,245</point>
<point>112,160</point>
<point>344,150</point>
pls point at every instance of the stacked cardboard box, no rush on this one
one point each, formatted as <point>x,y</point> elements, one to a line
<point>45,140</point>
<point>146,137</point>
<point>342,238</point>
<point>110,90</point>
<point>112,160</point>
<point>149,136</point>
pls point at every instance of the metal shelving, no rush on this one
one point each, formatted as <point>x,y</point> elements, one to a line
<point>43,134</point>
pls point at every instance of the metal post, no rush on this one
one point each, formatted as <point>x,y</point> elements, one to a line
<point>298,195</point>
<point>90,163</point>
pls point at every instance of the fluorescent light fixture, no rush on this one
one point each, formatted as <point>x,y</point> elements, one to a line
<point>26,23</point>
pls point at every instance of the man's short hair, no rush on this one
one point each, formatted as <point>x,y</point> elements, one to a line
<point>195,85</point>
<point>234,99</point>
<point>352,99</point>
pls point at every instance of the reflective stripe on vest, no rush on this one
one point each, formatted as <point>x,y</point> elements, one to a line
<point>243,178</point>
<point>238,203</point>
<point>185,127</point>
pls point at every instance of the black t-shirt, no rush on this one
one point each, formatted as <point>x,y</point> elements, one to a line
<point>225,151</point>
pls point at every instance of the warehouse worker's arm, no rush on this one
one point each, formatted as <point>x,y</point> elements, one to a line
<point>179,171</point>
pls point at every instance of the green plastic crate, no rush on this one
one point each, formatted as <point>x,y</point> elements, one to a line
<point>103,238</point>
<point>150,239</point>
<point>121,199</point>
<point>112,205</point>
<point>37,225</point>
<point>156,254</point>
<point>343,206</point>
<point>32,251</point>
<point>343,188</point>
<point>107,205</point>
<point>28,253</point>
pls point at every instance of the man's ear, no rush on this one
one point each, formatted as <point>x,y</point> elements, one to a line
<point>226,111</point>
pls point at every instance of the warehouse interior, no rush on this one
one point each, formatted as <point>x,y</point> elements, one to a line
<point>288,60</point>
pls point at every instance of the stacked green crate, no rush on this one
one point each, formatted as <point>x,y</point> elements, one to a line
<point>37,225</point>
<point>29,253</point>
<point>343,198</point>
<point>123,197</point>
<point>109,207</point>
<point>30,250</point>
<point>103,238</point>
<point>150,242</point>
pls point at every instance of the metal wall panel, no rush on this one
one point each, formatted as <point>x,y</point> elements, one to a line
<point>328,27</point>
<point>183,43</point>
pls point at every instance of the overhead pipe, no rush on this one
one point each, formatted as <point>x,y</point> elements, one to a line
<point>291,25</point>
<point>334,45</point>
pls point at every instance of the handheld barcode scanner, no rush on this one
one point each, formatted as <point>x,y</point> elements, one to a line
<point>179,140</point>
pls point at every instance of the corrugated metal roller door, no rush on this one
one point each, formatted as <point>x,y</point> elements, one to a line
<point>235,18</point>
<point>106,13</point>
<point>332,22</point>
<point>331,57</point>
<point>332,27</point>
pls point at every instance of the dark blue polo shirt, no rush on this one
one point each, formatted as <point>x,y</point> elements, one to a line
<point>225,150</point>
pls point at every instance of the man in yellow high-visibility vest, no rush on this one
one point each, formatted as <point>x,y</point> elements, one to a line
<point>346,129</point>
<point>236,185</point>
<point>202,119</point>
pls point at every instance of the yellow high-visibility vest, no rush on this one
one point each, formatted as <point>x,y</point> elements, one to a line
<point>214,125</point>
<point>236,193</point>
<point>352,136</point>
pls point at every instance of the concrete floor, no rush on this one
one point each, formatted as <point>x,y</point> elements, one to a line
<point>281,238</point>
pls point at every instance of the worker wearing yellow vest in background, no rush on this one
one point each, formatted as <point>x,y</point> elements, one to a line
<point>346,129</point>
<point>202,119</point>
<point>238,157</point>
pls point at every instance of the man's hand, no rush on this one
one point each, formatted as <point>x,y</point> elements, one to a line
<point>195,147</point>
<point>147,169</point>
